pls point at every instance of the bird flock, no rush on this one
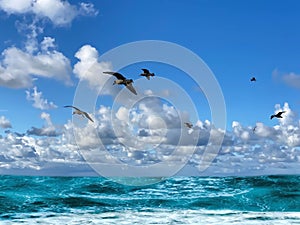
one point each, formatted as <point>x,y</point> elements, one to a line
<point>121,80</point>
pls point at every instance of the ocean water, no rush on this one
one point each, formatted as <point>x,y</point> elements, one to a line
<point>176,200</point>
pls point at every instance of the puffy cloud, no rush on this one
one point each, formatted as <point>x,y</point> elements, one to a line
<point>38,101</point>
<point>18,68</point>
<point>48,130</point>
<point>4,123</point>
<point>88,67</point>
<point>59,12</point>
<point>133,137</point>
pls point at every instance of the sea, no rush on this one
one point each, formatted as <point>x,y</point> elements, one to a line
<point>174,200</point>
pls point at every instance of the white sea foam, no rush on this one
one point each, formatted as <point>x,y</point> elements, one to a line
<point>211,217</point>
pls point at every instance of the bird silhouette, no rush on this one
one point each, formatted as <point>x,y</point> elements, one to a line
<point>278,115</point>
<point>122,80</point>
<point>147,74</point>
<point>253,79</point>
<point>189,125</point>
<point>79,112</point>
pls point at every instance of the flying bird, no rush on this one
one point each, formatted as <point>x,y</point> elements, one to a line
<point>147,74</point>
<point>79,112</point>
<point>189,125</point>
<point>253,79</point>
<point>278,115</point>
<point>123,80</point>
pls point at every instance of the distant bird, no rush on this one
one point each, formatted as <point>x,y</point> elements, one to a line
<point>122,80</point>
<point>253,79</point>
<point>254,128</point>
<point>79,112</point>
<point>189,125</point>
<point>278,115</point>
<point>147,74</point>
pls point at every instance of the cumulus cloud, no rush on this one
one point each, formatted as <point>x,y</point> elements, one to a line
<point>89,68</point>
<point>152,132</point>
<point>38,101</point>
<point>18,68</point>
<point>4,123</point>
<point>47,130</point>
<point>59,12</point>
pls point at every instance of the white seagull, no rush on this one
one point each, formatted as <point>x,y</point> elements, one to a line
<point>79,112</point>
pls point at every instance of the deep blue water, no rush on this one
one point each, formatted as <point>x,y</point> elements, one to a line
<point>25,198</point>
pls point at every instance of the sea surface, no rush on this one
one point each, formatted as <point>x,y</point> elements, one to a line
<point>176,200</point>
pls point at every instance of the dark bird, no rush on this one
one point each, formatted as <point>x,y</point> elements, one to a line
<point>123,80</point>
<point>254,128</point>
<point>189,125</point>
<point>278,115</point>
<point>253,79</point>
<point>147,74</point>
<point>79,112</point>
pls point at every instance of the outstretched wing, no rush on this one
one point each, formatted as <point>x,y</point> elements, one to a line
<point>146,71</point>
<point>280,113</point>
<point>70,106</point>
<point>117,75</point>
<point>272,117</point>
<point>131,88</point>
<point>88,116</point>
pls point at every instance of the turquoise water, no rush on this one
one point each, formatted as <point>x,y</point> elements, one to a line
<point>177,200</point>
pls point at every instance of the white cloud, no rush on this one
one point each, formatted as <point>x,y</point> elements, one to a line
<point>16,6</point>
<point>292,80</point>
<point>47,130</point>
<point>128,135</point>
<point>89,68</point>
<point>4,123</point>
<point>18,68</point>
<point>59,12</point>
<point>38,101</point>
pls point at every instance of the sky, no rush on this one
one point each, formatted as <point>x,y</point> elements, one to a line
<point>203,54</point>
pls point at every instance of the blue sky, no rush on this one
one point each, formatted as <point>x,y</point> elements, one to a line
<point>236,40</point>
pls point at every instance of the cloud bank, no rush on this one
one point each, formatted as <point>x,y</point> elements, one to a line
<point>151,133</point>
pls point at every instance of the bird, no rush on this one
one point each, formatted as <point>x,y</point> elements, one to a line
<point>254,129</point>
<point>278,115</point>
<point>123,80</point>
<point>189,125</point>
<point>253,79</point>
<point>79,112</point>
<point>147,74</point>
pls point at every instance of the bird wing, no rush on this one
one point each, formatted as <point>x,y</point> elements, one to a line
<point>280,113</point>
<point>131,88</point>
<point>189,125</point>
<point>117,75</point>
<point>146,71</point>
<point>88,116</point>
<point>70,106</point>
<point>272,117</point>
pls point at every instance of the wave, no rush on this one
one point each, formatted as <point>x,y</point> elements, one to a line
<point>52,195</point>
